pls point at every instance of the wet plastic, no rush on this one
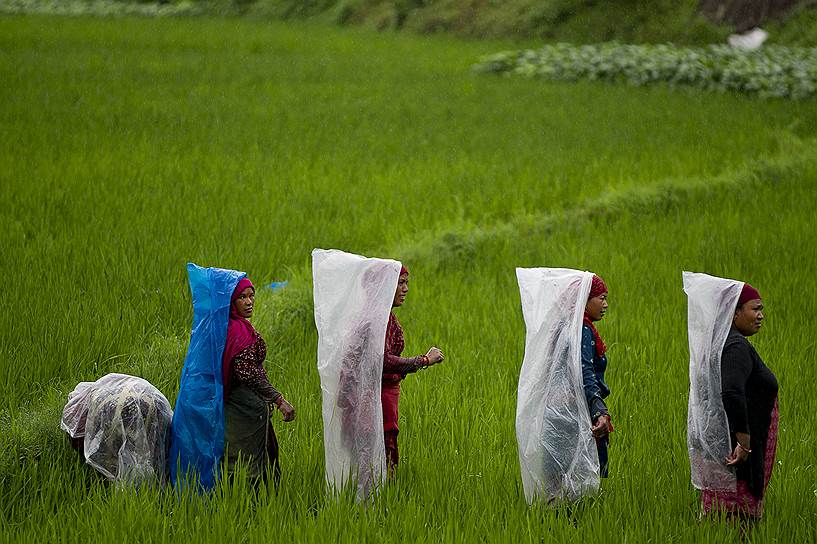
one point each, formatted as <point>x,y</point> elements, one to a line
<point>353,297</point>
<point>557,452</point>
<point>197,442</point>
<point>124,422</point>
<point>712,304</point>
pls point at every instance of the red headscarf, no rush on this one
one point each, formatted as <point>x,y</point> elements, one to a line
<point>240,334</point>
<point>403,270</point>
<point>597,288</point>
<point>748,293</point>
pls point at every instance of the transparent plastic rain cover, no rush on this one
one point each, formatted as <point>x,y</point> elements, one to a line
<point>712,303</point>
<point>353,297</point>
<point>557,452</point>
<point>125,422</point>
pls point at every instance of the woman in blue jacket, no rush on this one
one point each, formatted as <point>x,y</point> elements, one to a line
<point>594,363</point>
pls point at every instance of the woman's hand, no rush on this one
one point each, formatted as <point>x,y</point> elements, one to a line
<point>740,453</point>
<point>434,356</point>
<point>736,457</point>
<point>286,408</point>
<point>602,426</point>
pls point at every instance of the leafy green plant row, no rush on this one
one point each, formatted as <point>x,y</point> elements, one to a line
<point>774,71</point>
<point>103,8</point>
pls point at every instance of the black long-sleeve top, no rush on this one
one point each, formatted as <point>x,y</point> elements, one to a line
<point>748,391</point>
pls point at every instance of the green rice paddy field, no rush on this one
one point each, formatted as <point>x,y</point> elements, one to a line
<point>129,147</point>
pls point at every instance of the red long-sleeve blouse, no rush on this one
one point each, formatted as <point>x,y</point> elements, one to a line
<point>395,367</point>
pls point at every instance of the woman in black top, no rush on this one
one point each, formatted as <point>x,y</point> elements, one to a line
<point>749,394</point>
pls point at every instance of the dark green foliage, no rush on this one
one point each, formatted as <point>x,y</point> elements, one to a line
<point>114,8</point>
<point>575,21</point>
<point>773,71</point>
<point>797,28</point>
<point>568,20</point>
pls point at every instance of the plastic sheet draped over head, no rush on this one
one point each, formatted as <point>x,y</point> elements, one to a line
<point>198,422</point>
<point>712,304</point>
<point>557,452</point>
<point>353,297</point>
<point>124,422</point>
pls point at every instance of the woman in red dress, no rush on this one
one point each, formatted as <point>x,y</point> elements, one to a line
<point>395,368</point>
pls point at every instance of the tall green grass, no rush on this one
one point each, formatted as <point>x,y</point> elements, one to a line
<point>131,147</point>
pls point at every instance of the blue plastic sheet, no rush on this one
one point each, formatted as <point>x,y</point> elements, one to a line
<point>197,442</point>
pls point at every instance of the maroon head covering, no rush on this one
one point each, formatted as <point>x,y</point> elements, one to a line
<point>403,270</point>
<point>597,288</point>
<point>240,334</point>
<point>748,293</point>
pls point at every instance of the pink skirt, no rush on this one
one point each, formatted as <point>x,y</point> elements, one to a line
<point>741,501</point>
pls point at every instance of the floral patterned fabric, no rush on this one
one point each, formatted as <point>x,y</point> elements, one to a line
<point>742,501</point>
<point>247,368</point>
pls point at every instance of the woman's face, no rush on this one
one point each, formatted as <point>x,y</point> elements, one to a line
<point>244,303</point>
<point>749,316</point>
<point>401,292</point>
<point>596,307</point>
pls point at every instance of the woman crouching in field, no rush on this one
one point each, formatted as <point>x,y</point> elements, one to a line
<point>395,368</point>
<point>248,396</point>
<point>594,363</point>
<point>749,394</point>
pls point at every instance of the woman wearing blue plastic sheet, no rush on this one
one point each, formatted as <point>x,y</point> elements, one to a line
<point>557,452</point>
<point>198,430</point>
<point>249,398</point>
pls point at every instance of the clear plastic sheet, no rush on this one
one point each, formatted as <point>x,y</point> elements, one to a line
<point>124,422</point>
<point>712,304</point>
<point>198,423</point>
<point>353,297</point>
<point>557,452</point>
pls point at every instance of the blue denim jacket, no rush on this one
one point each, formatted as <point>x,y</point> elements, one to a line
<point>593,367</point>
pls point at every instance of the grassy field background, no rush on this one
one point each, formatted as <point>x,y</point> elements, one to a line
<point>130,147</point>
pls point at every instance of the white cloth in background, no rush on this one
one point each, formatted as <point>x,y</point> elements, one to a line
<point>125,423</point>
<point>557,451</point>
<point>353,297</point>
<point>712,304</point>
<point>749,40</point>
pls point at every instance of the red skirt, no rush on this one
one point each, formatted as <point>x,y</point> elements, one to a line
<point>741,501</point>
<point>389,396</point>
